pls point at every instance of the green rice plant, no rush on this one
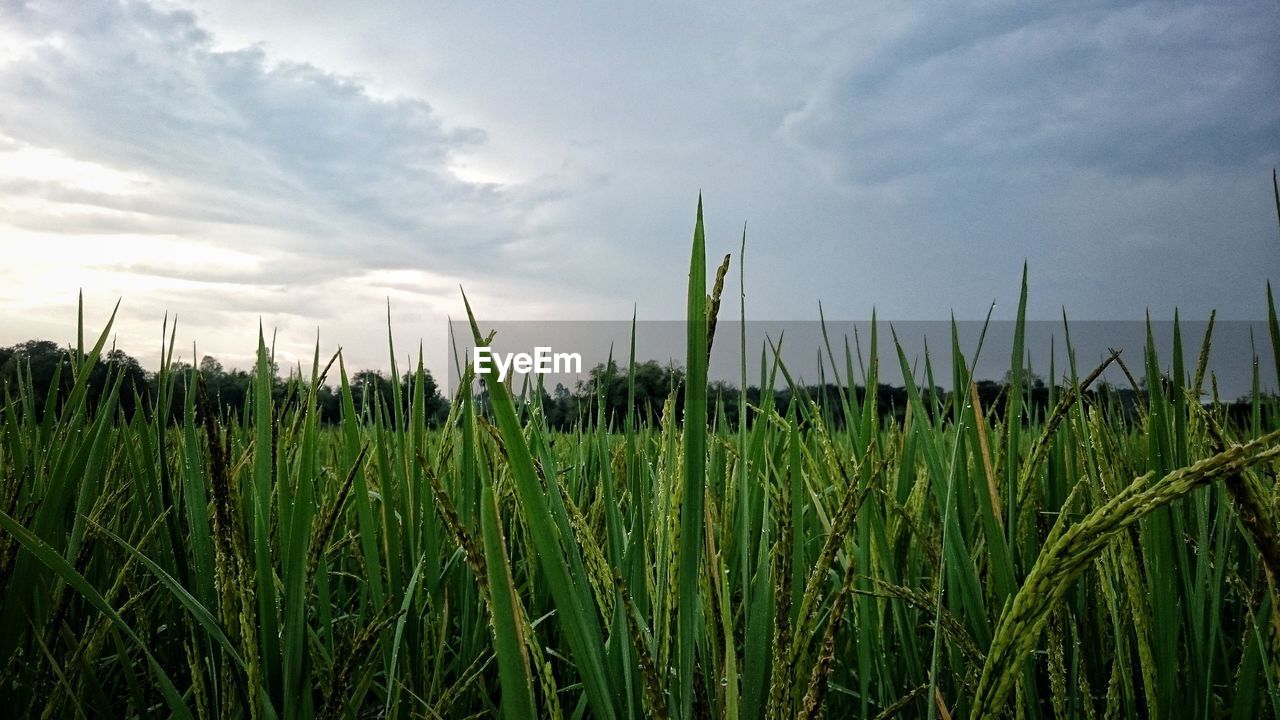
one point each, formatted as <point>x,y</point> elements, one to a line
<point>1073,549</point>
<point>1108,554</point>
<point>567,584</point>
<point>692,499</point>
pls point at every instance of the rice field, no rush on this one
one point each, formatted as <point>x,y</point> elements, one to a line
<point>1080,561</point>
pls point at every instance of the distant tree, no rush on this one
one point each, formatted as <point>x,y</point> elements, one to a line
<point>722,396</point>
<point>120,366</point>
<point>1029,379</point>
<point>653,383</point>
<point>435,406</point>
<point>559,407</point>
<point>371,391</point>
<point>41,361</point>
<point>49,368</point>
<point>329,404</point>
<point>228,390</point>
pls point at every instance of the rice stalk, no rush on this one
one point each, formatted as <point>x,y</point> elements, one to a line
<point>1062,562</point>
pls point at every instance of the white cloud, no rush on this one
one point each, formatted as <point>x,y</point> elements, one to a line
<point>225,137</point>
<point>218,184</point>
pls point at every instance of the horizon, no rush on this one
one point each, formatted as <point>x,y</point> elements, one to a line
<point>1230,363</point>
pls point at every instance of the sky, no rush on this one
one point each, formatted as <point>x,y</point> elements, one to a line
<point>306,165</point>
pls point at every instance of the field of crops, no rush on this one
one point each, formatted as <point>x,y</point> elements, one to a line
<point>1082,561</point>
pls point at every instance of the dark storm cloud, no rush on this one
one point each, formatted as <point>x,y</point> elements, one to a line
<point>1129,89</point>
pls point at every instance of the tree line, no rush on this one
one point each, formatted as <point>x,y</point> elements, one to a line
<point>46,367</point>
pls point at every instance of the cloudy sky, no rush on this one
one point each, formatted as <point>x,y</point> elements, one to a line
<point>305,162</point>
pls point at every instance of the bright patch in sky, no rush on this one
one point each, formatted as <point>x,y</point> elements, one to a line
<point>45,165</point>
